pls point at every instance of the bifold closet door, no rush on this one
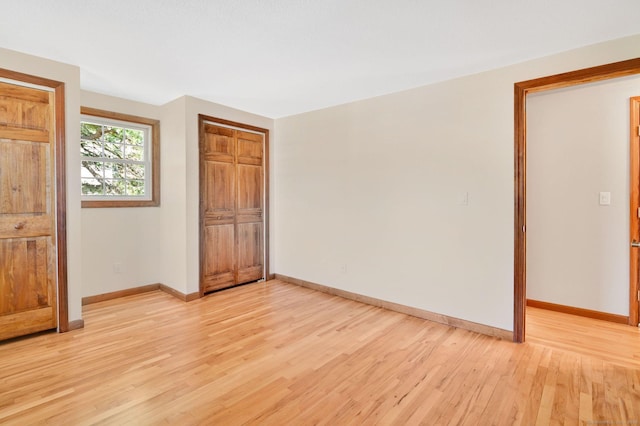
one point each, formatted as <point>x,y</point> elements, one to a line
<point>232,213</point>
<point>27,211</point>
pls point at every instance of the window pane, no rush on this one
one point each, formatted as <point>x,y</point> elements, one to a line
<point>135,171</point>
<point>113,134</point>
<point>114,187</point>
<point>134,137</point>
<point>135,187</point>
<point>113,150</point>
<point>90,148</point>
<point>90,131</point>
<point>108,170</point>
<point>118,170</point>
<point>92,169</point>
<point>134,153</point>
<point>91,187</point>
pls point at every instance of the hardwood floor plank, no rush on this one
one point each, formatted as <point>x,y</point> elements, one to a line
<point>281,354</point>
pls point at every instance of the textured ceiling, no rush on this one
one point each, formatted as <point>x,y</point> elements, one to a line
<point>282,57</point>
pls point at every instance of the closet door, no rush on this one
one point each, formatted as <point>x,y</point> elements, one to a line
<point>27,211</point>
<point>249,228</point>
<point>231,207</point>
<point>218,208</point>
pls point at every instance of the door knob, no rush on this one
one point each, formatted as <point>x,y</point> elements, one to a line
<point>634,243</point>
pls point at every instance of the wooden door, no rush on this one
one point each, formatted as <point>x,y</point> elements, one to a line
<point>27,211</point>
<point>231,207</point>
<point>249,201</point>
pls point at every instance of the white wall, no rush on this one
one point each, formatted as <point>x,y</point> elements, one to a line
<point>578,146</point>
<point>375,186</point>
<point>173,198</point>
<point>130,237</point>
<point>70,76</point>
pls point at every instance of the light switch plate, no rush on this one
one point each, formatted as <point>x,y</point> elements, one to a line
<point>605,198</point>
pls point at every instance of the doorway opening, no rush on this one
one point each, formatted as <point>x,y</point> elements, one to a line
<point>521,90</point>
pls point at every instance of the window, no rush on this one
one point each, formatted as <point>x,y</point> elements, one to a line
<point>120,157</point>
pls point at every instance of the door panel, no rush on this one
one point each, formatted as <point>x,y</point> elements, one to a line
<point>219,144</point>
<point>250,148</point>
<point>249,188</point>
<point>25,288</point>
<point>20,195</point>
<point>249,251</point>
<point>27,219</point>
<point>220,188</point>
<point>219,265</point>
<point>250,219</point>
<point>232,199</point>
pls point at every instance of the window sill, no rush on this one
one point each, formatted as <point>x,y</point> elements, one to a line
<point>119,203</point>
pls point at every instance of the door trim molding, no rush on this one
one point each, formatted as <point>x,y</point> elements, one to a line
<point>521,90</point>
<point>242,126</point>
<point>634,204</point>
<point>61,199</point>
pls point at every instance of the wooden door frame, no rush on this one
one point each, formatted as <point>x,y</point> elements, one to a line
<point>242,126</point>
<point>634,204</point>
<point>521,90</point>
<point>61,198</point>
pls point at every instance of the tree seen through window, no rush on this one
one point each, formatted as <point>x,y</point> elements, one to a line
<point>113,160</point>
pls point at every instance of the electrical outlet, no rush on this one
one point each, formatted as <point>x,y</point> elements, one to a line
<point>117,267</point>
<point>343,268</point>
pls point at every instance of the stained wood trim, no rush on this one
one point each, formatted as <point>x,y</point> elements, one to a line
<point>634,231</point>
<point>266,204</point>
<point>519,232</point>
<point>118,294</point>
<point>201,120</point>
<point>179,295</point>
<point>521,89</point>
<point>155,160</point>
<point>61,213</point>
<point>27,78</point>
<point>76,325</point>
<point>139,290</point>
<point>403,309</point>
<point>61,183</point>
<point>201,141</point>
<point>588,313</point>
<point>582,76</point>
<point>216,120</point>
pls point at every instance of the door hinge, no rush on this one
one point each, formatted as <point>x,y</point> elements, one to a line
<point>638,130</point>
<point>638,212</point>
<point>638,295</point>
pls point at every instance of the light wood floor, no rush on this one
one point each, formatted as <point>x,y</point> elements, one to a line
<point>278,354</point>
